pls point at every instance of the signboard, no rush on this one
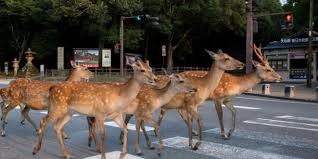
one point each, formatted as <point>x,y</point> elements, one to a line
<point>60,58</point>
<point>86,56</point>
<point>163,50</point>
<point>106,58</point>
<point>297,40</point>
<point>6,68</point>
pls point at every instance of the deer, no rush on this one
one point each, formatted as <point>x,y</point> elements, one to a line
<point>148,100</point>
<point>190,102</point>
<point>231,86</point>
<point>33,93</point>
<point>101,101</point>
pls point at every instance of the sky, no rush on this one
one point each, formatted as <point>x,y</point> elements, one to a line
<point>283,2</point>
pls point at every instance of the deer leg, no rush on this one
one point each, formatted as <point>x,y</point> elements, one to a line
<point>92,133</point>
<point>137,144</point>
<point>21,112</point>
<point>58,128</point>
<point>146,135</point>
<point>229,104</point>
<point>162,114</point>
<point>5,112</point>
<point>157,129</point>
<point>120,122</point>
<point>196,115</point>
<point>190,130</point>
<point>25,114</point>
<point>219,111</point>
<point>127,118</point>
<point>183,115</point>
<point>43,124</point>
<point>100,123</point>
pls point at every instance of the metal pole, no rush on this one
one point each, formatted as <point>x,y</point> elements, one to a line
<point>121,35</point>
<point>249,37</point>
<point>309,57</point>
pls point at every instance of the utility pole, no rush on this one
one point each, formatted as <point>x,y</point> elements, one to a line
<point>121,35</point>
<point>309,57</point>
<point>249,36</point>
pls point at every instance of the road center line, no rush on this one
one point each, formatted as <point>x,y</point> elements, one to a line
<point>277,125</point>
<point>297,118</point>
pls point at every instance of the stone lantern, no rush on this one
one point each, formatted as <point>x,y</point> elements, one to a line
<point>15,65</point>
<point>29,69</point>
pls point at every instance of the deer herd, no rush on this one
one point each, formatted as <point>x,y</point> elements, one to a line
<point>141,95</point>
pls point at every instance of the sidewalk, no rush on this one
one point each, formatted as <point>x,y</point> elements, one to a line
<point>278,91</point>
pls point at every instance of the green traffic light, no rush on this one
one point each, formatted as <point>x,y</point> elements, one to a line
<point>138,17</point>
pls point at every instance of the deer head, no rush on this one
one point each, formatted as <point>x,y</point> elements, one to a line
<point>80,73</point>
<point>263,69</point>
<point>224,61</point>
<point>182,84</point>
<point>143,72</point>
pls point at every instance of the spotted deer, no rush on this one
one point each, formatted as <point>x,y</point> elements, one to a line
<point>231,86</point>
<point>148,100</point>
<point>33,93</point>
<point>101,101</point>
<point>190,102</point>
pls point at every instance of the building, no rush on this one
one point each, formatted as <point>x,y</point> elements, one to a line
<point>288,56</point>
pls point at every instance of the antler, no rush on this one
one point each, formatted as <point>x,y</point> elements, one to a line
<point>260,55</point>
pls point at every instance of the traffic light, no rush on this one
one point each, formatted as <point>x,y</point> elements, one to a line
<point>147,19</point>
<point>288,19</point>
<point>117,48</point>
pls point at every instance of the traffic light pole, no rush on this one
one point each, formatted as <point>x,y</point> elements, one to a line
<point>249,37</point>
<point>309,57</point>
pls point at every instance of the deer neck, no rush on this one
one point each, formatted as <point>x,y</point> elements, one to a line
<point>73,78</point>
<point>213,77</point>
<point>130,89</point>
<point>250,80</point>
<point>164,95</point>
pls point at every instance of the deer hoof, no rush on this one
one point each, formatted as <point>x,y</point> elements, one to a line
<point>224,137</point>
<point>22,122</point>
<point>195,133</point>
<point>196,146</point>
<point>3,133</point>
<point>151,148</point>
<point>138,152</point>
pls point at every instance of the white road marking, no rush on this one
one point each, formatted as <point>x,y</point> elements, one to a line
<point>278,100</point>
<point>243,107</point>
<point>114,155</point>
<point>297,118</point>
<point>223,151</point>
<point>278,124</point>
<point>289,122</point>
<point>271,137</point>
<point>129,126</point>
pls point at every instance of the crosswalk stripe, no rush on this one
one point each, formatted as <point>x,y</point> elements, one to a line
<point>270,137</point>
<point>221,150</point>
<point>297,118</point>
<point>244,107</point>
<point>277,100</point>
<point>289,122</point>
<point>129,126</point>
<point>114,155</point>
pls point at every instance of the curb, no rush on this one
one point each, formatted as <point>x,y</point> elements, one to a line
<point>286,98</point>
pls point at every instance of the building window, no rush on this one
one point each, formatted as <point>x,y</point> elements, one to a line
<point>279,64</point>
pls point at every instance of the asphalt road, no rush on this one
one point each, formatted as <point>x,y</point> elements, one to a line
<point>266,128</point>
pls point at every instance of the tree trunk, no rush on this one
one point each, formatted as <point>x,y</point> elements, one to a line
<point>170,55</point>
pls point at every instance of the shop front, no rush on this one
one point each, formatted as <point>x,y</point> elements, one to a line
<point>289,56</point>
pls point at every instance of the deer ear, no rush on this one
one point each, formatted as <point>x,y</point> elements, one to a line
<point>256,63</point>
<point>73,64</point>
<point>211,53</point>
<point>147,62</point>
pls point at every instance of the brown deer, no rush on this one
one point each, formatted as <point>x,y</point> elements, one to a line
<point>148,100</point>
<point>231,86</point>
<point>94,100</point>
<point>190,102</point>
<point>34,93</point>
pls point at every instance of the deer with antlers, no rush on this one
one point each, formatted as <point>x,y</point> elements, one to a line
<point>33,93</point>
<point>231,86</point>
<point>148,100</point>
<point>190,102</point>
<point>101,101</point>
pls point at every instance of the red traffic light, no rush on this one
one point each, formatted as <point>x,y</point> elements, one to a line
<point>288,18</point>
